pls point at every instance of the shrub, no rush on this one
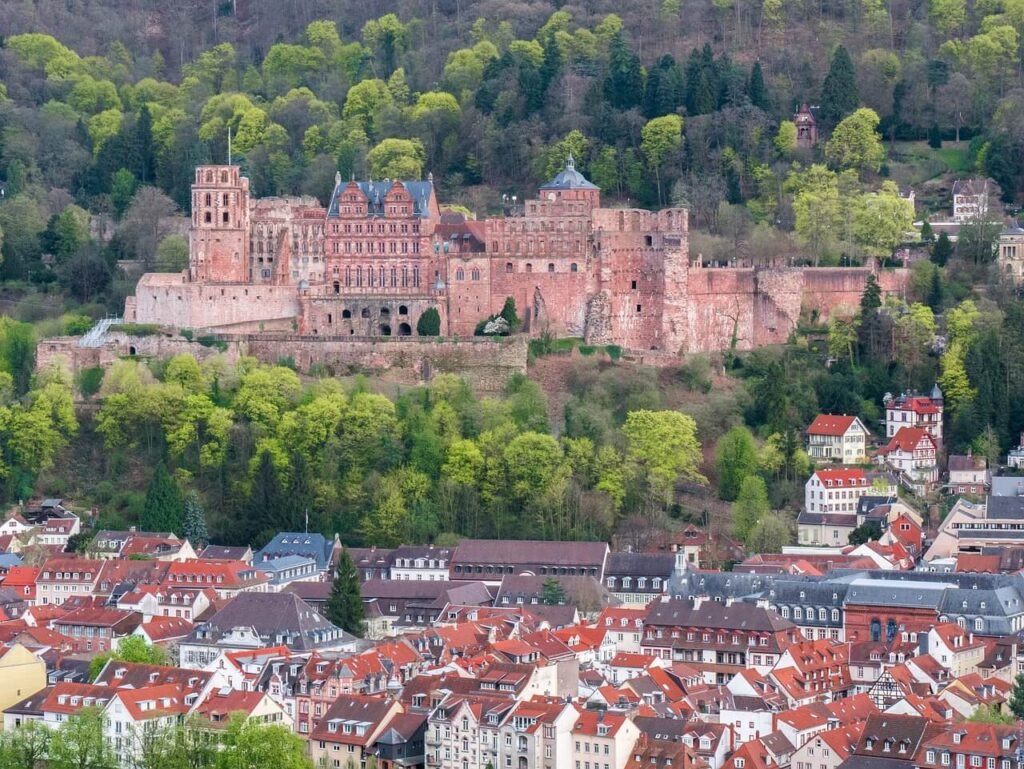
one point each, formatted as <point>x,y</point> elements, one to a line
<point>212,341</point>
<point>89,381</point>
<point>76,325</point>
<point>287,361</point>
<point>614,351</point>
<point>429,323</point>
<point>139,329</point>
<point>186,333</point>
<point>586,349</point>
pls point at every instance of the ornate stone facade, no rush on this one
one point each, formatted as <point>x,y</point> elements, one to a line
<point>382,253</point>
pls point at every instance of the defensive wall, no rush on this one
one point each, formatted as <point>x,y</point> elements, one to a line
<point>485,364</point>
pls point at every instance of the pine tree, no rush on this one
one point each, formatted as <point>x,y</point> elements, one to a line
<point>839,91</point>
<point>552,593</point>
<point>193,526</point>
<point>756,90</point>
<point>942,250</point>
<point>267,512</point>
<point>163,508</point>
<point>300,493</point>
<point>345,604</point>
<point>1017,696</point>
<point>508,312</point>
<point>624,85</point>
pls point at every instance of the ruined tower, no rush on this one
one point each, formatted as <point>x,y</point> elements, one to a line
<point>219,237</point>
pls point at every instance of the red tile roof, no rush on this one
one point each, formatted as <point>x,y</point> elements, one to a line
<point>908,439</point>
<point>828,424</point>
<point>842,476</point>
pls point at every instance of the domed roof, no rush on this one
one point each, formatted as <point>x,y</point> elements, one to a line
<point>570,179</point>
<point>936,392</point>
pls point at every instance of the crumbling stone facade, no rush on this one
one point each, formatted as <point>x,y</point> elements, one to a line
<point>382,253</point>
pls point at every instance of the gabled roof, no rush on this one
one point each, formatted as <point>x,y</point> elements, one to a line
<point>908,440</point>
<point>842,477</point>
<point>829,424</point>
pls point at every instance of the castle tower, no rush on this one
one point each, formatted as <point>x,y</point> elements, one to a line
<point>219,237</point>
<point>571,185</point>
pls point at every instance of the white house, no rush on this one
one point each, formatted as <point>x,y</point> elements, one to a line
<point>909,410</point>
<point>835,490</point>
<point>913,452</point>
<point>840,439</point>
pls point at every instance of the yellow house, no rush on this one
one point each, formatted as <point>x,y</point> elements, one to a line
<point>22,673</point>
<point>840,439</point>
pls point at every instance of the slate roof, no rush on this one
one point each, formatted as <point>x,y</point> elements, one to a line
<point>273,616</point>
<point>315,546</point>
<point>711,614</point>
<point>1002,507</point>
<point>640,564</point>
<point>570,179</point>
<point>529,552</point>
<point>375,192</point>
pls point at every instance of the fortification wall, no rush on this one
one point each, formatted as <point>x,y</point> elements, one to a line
<point>548,291</point>
<point>168,300</point>
<point>485,363</point>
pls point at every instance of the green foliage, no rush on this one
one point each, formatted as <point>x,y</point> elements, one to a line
<point>866,532</point>
<point>345,604</point>
<point>990,714</point>
<point>552,593</point>
<point>429,323</point>
<point>1016,703</point>
<point>855,142</point>
<point>750,508</point>
<point>839,92</point>
<point>736,458</point>
<point>663,450</point>
<point>164,506</point>
<point>131,648</point>
<point>193,526</point>
<point>89,380</point>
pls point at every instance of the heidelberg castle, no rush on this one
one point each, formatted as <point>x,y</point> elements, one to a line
<point>383,252</point>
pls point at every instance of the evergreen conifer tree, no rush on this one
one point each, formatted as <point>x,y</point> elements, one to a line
<point>345,604</point>
<point>552,593</point>
<point>193,526</point>
<point>267,512</point>
<point>1017,696</point>
<point>624,85</point>
<point>839,91</point>
<point>163,508</point>
<point>756,90</point>
<point>942,250</point>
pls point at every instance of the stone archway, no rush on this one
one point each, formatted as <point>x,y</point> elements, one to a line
<point>385,329</point>
<point>404,329</point>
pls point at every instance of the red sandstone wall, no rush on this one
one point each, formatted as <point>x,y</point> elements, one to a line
<point>469,296</point>
<point>559,297</point>
<point>167,300</point>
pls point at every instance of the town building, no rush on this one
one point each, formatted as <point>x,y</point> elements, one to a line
<point>488,560</point>
<point>911,410</point>
<point>22,672</point>
<point>971,199</point>
<point>839,439</point>
<point>1011,253</point>
<point>913,453</point>
<point>968,474</point>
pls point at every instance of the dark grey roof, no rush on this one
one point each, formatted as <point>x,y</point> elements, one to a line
<point>872,592</point>
<point>570,179</point>
<point>420,192</point>
<point>640,565</point>
<point>1003,507</point>
<point>847,520</point>
<point>315,546</point>
<point>1007,486</point>
<point>278,618</point>
<point>711,614</point>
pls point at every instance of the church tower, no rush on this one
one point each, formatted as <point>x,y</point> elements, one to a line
<point>219,238</point>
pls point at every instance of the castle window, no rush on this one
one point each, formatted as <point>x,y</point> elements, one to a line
<point>476,274</point>
<point>224,199</point>
<point>405,277</point>
<point>209,200</point>
<point>337,287</point>
<point>209,177</point>
<point>381,275</point>
<point>573,267</point>
<point>394,275</point>
<point>207,217</point>
<point>551,266</point>
<point>416,277</point>
<point>330,319</point>
<point>648,240</point>
<point>508,266</point>
<point>224,217</point>
<point>529,267</point>
<point>403,310</point>
<point>348,276</point>
<point>459,274</point>
<point>638,308</point>
<point>345,314</point>
<point>364,313</point>
<point>224,177</point>
<point>632,285</point>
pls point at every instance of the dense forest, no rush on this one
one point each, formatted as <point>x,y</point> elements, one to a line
<point>106,107</point>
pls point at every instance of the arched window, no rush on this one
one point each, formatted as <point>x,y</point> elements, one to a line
<point>364,313</point>
<point>403,310</point>
<point>876,630</point>
<point>459,274</point>
<point>345,314</point>
<point>573,267</point>
<point>508,266</point>
<point>551,266</point>
<point>475,274</point>
<point>337,287</point>
<point>890,630</point>
<point>529,267</point>
<point>209,177</point>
